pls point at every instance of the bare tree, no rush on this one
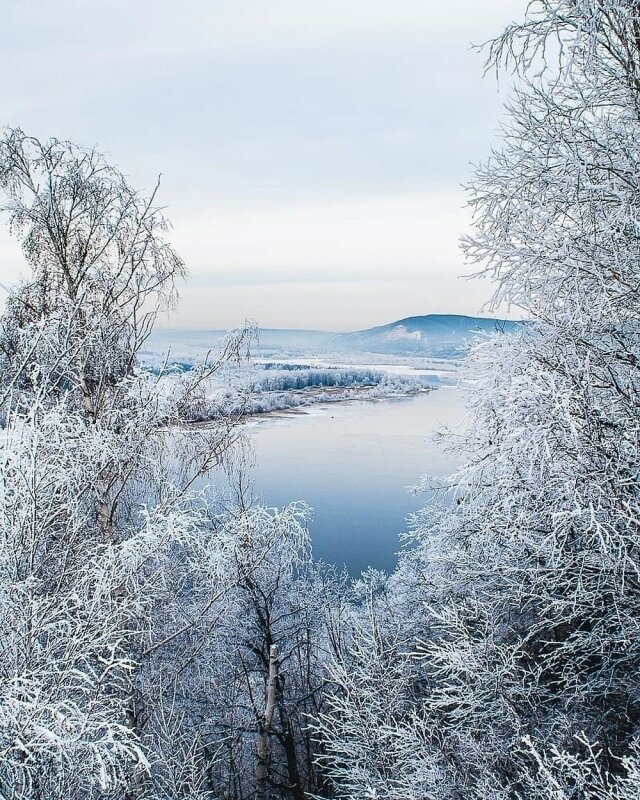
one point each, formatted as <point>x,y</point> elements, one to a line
<point>527,575</point>
<point>107,518</point>
<point>264,726</point>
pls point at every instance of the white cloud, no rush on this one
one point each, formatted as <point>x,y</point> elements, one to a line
<point>353,263</point>
<point>138,30</point>
<point>333,265</point>
<point>392,234</point>
<point>326,305</point>
<point>306,145</point>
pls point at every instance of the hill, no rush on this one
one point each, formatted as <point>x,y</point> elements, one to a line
<point>437,335</point>
<point>440,335</point>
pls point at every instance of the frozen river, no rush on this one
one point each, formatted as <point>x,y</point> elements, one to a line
<point>353,463</point>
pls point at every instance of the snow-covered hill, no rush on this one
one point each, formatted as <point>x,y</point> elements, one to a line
<point>433,335</point>
<point>441,335</point>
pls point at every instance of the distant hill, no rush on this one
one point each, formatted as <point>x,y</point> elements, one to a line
<point>193,345</point>
<point>440,335</point>
<point>437,335</point>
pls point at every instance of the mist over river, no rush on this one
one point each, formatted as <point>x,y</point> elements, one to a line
<point>352,462</point>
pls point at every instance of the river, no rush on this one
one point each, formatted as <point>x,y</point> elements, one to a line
<point>353,463</point>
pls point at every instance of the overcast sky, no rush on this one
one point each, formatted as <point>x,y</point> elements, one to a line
<point>311,152</point>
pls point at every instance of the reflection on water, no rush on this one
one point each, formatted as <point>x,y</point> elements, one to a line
<point>353,463</point>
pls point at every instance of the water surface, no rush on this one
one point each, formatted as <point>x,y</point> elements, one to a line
<point>352,463</point>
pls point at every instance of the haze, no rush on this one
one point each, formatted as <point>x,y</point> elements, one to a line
<point>311,154</point>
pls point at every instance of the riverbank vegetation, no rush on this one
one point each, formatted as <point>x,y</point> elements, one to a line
<point>249,390</point>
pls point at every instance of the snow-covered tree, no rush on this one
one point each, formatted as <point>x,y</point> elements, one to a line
<point>536,564</point>
<point>97,465</point>
<point>266,656</point>
<point>527,575</point>
<point>63,662</point>
<point>377,741</point>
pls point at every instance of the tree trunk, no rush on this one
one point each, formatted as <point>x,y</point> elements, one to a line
<point>264,726</point>
<point>289,744</point>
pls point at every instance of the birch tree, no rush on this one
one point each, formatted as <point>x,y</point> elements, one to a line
<point>268,657</point>
<point>376,739</point>
<point>97,469</point>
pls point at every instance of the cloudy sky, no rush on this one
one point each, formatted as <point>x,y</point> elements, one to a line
<point>311,152</point>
